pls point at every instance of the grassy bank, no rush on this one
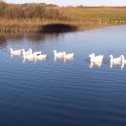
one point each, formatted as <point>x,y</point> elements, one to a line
<point>100,15</point>
<point>37,25</point>
<point>51,18</point>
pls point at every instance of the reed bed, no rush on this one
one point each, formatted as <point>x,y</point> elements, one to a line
<point>37,26</point>
<point>23,18</point>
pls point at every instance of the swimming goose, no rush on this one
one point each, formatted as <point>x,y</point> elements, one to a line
<point>98,58</point>
<point>69,55</point>
<point>37,53</point>
<point>41,57</point>
<point>15,52</point>
<point>115,60</point>
<point>123,59</point>
<point>58,54</point>
<point>23,52</point>
<point>29,52</point>
<point>30,56</point>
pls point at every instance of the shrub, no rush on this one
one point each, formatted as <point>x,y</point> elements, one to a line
<point>3,6</point>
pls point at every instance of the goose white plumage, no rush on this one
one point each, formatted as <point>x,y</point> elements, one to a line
<point>69,55</point>
<point>95,60</point>
<point>123,59</point>
<point>37,53</point>
<point>15,52</point>
<point>98,58</point>
<point>115,60</point>
<point>59,54</point>
<point>23,52</point>
<point>29,52</point>
<point>30,56</point>
<point>41,57</point>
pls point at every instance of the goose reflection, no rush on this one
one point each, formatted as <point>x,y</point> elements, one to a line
<point>122,66</point>
<point>112,64</point>
<point>29,60</point>
<point>55,58</point>
<point>94,63</point>
<point>123,62</point>
<point>11,55</point>
<point>68,57</point>
<point>65,59</point>
<point>35,59</point>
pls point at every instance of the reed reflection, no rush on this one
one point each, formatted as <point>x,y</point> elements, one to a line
<point>36,37</point>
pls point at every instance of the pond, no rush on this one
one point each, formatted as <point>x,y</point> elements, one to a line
<point>64,93</point>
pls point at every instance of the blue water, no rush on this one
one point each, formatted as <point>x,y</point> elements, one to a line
<point>46,93</point>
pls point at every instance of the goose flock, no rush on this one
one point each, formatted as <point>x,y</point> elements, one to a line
<point>95,60</point>
<point>30,55</point>
<point>98,60</point>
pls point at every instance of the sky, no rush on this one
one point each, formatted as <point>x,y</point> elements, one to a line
<point>75,2</point>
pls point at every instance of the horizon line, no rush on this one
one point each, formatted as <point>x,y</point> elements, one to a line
<point>69,5</point>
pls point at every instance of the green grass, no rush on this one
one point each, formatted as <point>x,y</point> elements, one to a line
<point>108,15</point>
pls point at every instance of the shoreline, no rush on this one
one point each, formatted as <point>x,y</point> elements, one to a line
<point>37,26</point>
<point>46,18</point>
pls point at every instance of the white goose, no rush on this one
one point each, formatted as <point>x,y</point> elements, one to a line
<point>15,52</point>
<point>30,56</point>
<point>69,55</point>
<point>115,60</point>
<point>123,59</point>
<point>37,53</point>
<point>98,58</point>
<point>58,54</point>
<point>41,57</point>
<point>29,52</point>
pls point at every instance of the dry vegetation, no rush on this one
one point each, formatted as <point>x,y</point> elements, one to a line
<point>32,17</point>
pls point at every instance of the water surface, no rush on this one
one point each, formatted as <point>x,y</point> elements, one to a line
<point>71,93</point>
